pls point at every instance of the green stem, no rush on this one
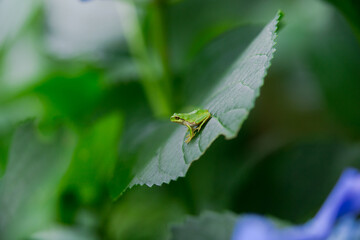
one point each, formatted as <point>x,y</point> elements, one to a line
<point>158,27</point>
<point>156,91</point>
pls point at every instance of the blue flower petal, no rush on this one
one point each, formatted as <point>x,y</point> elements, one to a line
<point>346,229</point>
<point>343,200</point>
<point>254,227</point>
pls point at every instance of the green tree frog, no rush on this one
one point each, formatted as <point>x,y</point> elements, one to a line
<point>193,121</point>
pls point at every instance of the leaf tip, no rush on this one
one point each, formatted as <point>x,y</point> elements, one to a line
<point>280,14</point>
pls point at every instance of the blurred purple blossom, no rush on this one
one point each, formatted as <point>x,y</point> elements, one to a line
<point>335,219</point>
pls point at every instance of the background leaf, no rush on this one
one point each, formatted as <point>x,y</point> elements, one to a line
<point>335,63</point>
<point>91,165</point>
<point>229,103</point>
<point>156,204</point>
<point>27,202</point>
<point>290,171</point>
<point>208,226</point>
<point>16,14</point>
<point>351,10</point>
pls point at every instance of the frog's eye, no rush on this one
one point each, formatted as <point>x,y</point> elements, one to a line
<point>177,118</point>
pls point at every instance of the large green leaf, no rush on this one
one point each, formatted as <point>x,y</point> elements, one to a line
<point>28,188</point>
<point>209,226</point>
<point>153,154</point>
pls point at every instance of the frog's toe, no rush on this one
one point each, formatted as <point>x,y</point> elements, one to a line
<point>189,139</point>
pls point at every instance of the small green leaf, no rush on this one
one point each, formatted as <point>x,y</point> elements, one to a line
<point>209,226</point>
<point>151,155</point>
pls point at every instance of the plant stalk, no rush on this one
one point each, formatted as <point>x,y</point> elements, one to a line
<point>155,89</point>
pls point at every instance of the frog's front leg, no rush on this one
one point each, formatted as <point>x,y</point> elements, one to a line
<point>191,133</point>
<point>203,122</point>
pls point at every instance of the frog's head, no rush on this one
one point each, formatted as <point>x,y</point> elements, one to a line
<point>177,118</point>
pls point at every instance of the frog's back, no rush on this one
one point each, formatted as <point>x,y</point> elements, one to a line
<point>197,116</point>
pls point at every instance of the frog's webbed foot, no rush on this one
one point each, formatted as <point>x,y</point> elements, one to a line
<point>190,135</point>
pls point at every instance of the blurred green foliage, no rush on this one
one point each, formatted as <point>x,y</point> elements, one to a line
<point>92,82</point>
